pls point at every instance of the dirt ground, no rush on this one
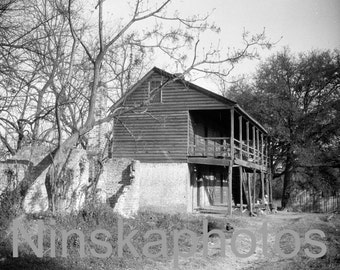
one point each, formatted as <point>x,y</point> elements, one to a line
<point>298,222</point>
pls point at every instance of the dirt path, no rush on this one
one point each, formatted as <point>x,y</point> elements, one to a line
<point>298,222</point>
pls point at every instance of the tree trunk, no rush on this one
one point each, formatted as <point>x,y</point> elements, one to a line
<point>287,182</point>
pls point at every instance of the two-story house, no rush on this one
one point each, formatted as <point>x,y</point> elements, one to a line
<point>197,149</point>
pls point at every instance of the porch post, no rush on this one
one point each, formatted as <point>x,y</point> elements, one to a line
<point>254,174</point>
<point>232,133</point>
<point>247,129</point>
<point>258,145</point>
<point>230,186</point>
<point>250,208</point>
<point>254,148</point>
<point>241,189</point>
<point>240,136</point>
<point>262,150</point>
<point>230,169</point>
<point>262,185</point>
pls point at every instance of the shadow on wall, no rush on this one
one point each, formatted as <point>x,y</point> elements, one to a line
<point>125,182</point>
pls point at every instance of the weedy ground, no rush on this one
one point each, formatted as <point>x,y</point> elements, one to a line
<point>102,217</point>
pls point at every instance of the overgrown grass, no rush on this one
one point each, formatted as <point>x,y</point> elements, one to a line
<point>91,219</point>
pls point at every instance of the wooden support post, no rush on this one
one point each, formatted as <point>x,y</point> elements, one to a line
<point>230,186</point>
<point>254,175</point>
<point>241,189</point>
<point>262,151</point>
<point>262,185</point>
<point>268,153</point>
<point>240,136</point>
<point>232,126</point>
<point>250,207</point>
<point>247,129</point>
<point>258,146</point>
<point>254,148</point>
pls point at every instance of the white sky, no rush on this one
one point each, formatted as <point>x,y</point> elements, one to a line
<point>303,24</point>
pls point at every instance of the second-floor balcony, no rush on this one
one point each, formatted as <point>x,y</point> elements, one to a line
<point>225,148</point>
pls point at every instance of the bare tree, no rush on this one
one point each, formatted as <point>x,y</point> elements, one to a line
<point>67,57</point>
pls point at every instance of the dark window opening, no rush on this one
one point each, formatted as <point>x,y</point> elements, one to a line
<point>155,92</point>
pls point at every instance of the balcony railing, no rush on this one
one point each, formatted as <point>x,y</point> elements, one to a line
<point>220,147</point>
<point>248,152</point>
<point>217,147</point>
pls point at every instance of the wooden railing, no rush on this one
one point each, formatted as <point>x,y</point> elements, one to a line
<point>220,147</point>
<point>217,147</point>
<point>246,152</point>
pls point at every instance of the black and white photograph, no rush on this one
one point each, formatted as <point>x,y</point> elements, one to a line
<point>170,134</point>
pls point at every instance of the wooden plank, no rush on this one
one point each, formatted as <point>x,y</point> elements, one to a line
<point>249,164</point>
<point>209,161</point>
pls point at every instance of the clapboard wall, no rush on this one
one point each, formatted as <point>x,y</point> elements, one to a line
<point>158,132</point>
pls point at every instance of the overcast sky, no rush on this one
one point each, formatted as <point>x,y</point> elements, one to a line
<point>303,24</point>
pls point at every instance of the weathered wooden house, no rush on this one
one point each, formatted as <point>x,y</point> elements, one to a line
<point>197,149</point>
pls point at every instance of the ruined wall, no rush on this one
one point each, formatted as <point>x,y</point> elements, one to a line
<point>36,197</point>
<point>12,171</point>
<point>129,186</point>
<point>115,176</point>
<point>129,202</point>
<point>165,187</point>
<point>118,185</point>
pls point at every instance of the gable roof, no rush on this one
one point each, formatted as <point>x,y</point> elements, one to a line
<point>200,89</point>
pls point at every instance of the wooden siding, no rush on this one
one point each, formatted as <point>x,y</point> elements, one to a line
<point>175,96</point>
<point>161,137</point>
<point>159,132</point>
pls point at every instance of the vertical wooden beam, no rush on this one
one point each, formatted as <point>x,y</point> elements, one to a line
<point>247,129</point>
<point>230,186</point>
<point>258,145</point>
<point>262,185</point>
<point>232,126</point>
<point>262,150</point>
<point>188,133</point>
<point>267,150</point>
<point>250,207</point>
<point>241,189</point>
<point>254,176</point>
<point>230,168</point>
<point>240,135</point>
<point>254,148</point>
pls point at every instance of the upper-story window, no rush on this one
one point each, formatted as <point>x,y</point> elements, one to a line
<point>155,91</point>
